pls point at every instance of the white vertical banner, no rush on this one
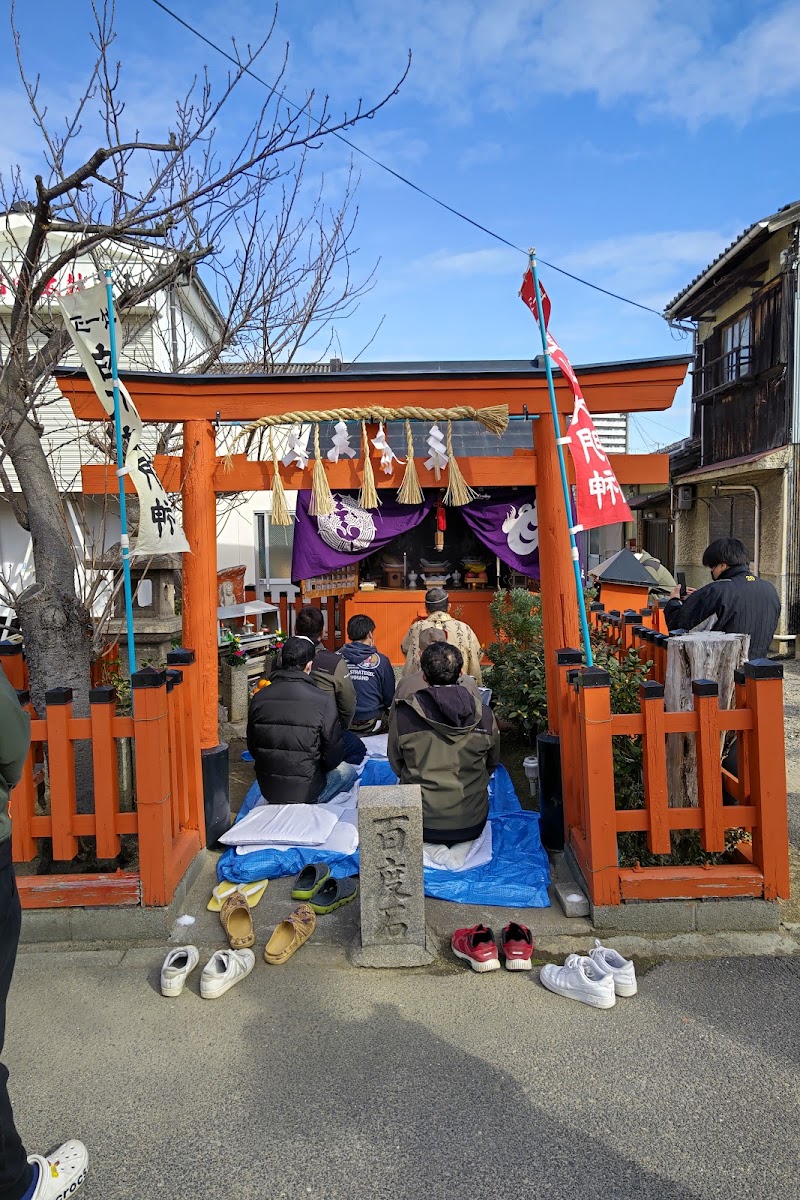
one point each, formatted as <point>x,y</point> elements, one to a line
<point>86,316</point>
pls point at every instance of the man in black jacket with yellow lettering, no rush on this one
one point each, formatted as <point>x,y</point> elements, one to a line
<point>739,601</point>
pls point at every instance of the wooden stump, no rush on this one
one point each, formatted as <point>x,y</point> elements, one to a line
<point>705,655</point>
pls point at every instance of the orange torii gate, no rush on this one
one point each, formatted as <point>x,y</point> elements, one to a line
<point>199,402</point>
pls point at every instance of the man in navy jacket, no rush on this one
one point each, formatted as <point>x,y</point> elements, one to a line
<point>371,672</point>
<point>738,600</point>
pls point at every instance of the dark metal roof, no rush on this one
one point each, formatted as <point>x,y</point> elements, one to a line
<point>651,498</point>
<point>726,464</point>
<point>622,567</point>
<point>747,241</point>
<point>466,369</point>
<point>684,456</point>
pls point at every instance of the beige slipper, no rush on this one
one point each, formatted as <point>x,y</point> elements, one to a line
<point>237,921</point>
<point>290,935</point>
<point>252,893</point>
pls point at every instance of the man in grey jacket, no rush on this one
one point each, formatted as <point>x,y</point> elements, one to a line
<point>447,742</point>
<point>22,1177</point>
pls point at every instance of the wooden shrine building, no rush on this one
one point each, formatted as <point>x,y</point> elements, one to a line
<point>203,404</point>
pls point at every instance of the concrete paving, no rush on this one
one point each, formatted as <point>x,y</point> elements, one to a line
<point>315,1080</point>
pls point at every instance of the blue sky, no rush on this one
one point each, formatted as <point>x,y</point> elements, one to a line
<point>629,141</point>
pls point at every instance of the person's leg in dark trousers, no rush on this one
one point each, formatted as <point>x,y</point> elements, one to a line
<point>16,1173</point>
<point>354,749</point>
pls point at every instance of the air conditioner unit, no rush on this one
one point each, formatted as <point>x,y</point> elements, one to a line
<point>685,497</point>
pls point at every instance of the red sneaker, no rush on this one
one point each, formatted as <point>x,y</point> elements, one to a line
<point>516,946</point>
<point>477,947</point>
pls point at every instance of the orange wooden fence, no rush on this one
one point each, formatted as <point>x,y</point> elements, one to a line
<point>593,820</point>
<point>168,814</point>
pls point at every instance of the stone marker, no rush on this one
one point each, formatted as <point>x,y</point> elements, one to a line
<point>392,894</point>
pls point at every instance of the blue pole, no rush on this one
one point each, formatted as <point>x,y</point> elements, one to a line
<point>587,645</point>
<point>123,511</point>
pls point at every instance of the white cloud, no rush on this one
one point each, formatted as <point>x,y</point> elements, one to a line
<point>468,264</point>
<point>648,267</point>
<point>481,154</point>
<point>693,60</point>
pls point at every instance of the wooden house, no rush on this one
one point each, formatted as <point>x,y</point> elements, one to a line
<point>739,475</point>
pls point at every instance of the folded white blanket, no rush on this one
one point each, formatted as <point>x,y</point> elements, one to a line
<point>283,825</point>
<point>461,857</point>
<point>343,838</point>
<point>376,745</point>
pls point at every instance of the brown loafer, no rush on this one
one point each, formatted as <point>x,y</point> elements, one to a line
<point>237,921</point>
<point>290,935</point>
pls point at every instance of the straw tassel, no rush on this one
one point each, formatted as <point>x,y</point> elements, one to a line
<point>280,510</point>
<point>368,496</point>
<point>410,492</point>
<point>458,490</point>
<point>321,504</point>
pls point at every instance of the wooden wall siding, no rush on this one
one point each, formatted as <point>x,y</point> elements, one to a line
<point>752,418</point>
<point>752,413</point>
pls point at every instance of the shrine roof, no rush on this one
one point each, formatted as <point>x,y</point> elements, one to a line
<point>337,370</point>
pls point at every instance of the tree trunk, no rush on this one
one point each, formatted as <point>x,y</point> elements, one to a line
<point>707,655</point>
<point>56,626</point>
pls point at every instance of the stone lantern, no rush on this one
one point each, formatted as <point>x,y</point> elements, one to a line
<point>156,625</point>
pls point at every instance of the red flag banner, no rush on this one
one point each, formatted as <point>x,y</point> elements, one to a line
<point>598,496</point>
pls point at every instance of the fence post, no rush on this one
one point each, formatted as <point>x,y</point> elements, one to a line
<point>567,661</point>
<point>150,722</point>
<point>61,772</point>
<point>660,642</point>
<point>12,662</point>
<point>629,620</point>
<point>177,803</point>
<point>742,739</point>
<point>767,763</point>
<point>597,767</point>
<point>188,697</point>
<point>709,766</point>
<point>595,614</point>
<point>23,798</point>
<point>654,767</point>
<point>105,764</point>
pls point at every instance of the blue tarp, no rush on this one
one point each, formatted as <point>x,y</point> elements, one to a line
<point>517,876</point>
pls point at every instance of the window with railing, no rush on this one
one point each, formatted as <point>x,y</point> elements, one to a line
<point>736,348</point>
<point>750,344</point>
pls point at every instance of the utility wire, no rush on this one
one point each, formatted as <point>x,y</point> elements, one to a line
<point>409,182</point>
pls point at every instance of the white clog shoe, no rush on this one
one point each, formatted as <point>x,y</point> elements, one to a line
<point>62,1172</point>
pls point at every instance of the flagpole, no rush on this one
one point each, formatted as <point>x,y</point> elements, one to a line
<point>587,645</point>
<point>121,473</point>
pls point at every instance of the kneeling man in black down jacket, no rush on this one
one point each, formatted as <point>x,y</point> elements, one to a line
<point>294,734</point>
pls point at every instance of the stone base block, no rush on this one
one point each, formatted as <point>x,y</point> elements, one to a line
<point>649,917</point>
<point>571,899</point>
<point>393,956</point>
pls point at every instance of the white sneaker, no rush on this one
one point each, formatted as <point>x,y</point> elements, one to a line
<point>177,967</point>
<point>579,979</point>
<point>609,962</point>
<point>62,1172</point>
<point>223,970</point>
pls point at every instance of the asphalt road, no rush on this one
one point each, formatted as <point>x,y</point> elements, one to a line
<point>317,1080</point>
